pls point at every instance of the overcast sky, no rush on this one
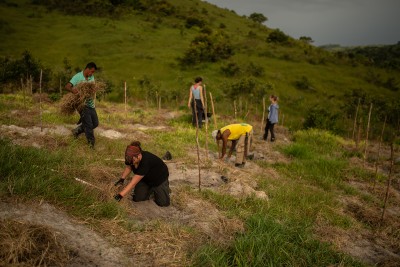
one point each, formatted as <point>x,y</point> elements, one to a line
<point>343,22</point>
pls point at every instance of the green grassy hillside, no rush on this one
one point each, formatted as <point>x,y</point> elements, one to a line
<point>145,46</point>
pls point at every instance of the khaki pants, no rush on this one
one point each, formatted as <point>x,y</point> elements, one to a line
<point>243,147</point>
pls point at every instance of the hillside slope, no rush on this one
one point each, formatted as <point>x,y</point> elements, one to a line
<point>143,48</point>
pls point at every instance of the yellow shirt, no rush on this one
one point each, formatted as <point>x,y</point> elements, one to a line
<point>237,130</point>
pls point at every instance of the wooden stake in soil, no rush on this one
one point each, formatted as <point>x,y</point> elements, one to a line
<point>197,144</point>
<point>358,133</point>
<point>125,96</point>
<point>355,119</point>
<point>389,181</point>
<point>379,153</point>
<point>213,111</point>
<point>234,108</point>
<point>283,119</point>
<point>23,91</point>
<point>205,112</point>
<point>40,100</point>
<point>366,137</point>
<point>263,114</point>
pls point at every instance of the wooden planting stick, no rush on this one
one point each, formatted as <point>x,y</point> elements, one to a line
<point>366,137</point>
<point>283,119</point>
<point>23,91</point>
<point>358,133</point>
<point>263,114</point>
<point>197,143</point>
<point>379,153</point>
<point>40,100</point>
<point>125,96</point>
<point>355,118</point>
<point>389,181</point>
<point>205,111</point>
<point>213,111</point>
<point>234,108</point>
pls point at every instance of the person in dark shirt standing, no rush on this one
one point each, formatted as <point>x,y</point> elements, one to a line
<point>151,176</point>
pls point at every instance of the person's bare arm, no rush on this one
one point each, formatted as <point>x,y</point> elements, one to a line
<point>71,88</point>
<point>126,172</point>
<point>131,185</point>
<point>190,97</point>
<point>224,137</point>
<point>233,145</point>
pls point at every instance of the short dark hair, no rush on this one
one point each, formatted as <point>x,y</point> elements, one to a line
<point>91,65</point>
<point>198,79</point>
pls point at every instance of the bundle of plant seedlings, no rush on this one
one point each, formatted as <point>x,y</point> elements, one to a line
<point>71,102</point>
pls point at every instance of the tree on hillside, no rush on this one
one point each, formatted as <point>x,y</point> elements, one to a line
<point>306,39</point>
<point>277,36</point>
<point>258,17</point>
<point>207,48</point>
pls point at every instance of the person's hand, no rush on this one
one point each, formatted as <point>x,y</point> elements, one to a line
<point>119,182</point>
<point>74,91</point>
<point>118,197</point>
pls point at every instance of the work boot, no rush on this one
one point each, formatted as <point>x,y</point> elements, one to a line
<point>75,133</point>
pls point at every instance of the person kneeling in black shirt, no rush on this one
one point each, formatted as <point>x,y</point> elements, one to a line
<point>151,176</point>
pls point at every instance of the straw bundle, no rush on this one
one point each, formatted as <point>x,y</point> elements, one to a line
<point>71,102</point>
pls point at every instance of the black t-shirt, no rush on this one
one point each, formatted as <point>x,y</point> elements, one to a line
<point>154,170</point>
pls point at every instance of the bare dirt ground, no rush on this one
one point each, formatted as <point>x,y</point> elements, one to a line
<point>162,243</point>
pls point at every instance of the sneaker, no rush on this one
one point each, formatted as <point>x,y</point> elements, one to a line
<point>239,165</point>
<point>250,157</point>
<point>167,156</point>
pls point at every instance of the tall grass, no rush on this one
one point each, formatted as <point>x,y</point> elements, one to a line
<point>279,232</point>
<point>29,174</point>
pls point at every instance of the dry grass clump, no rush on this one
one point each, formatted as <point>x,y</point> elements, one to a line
<point>23,244</point>
<point>71,102</point>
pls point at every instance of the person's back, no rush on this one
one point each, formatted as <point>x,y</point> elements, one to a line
<point>154,170</point>
<point>237,130</point>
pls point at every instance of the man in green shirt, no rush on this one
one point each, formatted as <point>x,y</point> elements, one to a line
<point>89,120</point>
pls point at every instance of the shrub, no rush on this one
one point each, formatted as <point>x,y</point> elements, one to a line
<point>277,36</point>
<point>207,48</point>
<point>322,118</point>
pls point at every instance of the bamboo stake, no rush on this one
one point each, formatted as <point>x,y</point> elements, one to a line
<point>206,110</point>
<point>366,137</point>
<point>31,83</point>
<point>213,111</point>
<point>234,108</point>
<point>125,96</point>
<point>40,100</point>
<point>263,114</point>
<point>283,119</point>
<point>389,181</point>
<point>23,91</point>
<point>379,153</point>
<point>358,133</point>
<point>197,144</point>
<point>355,118</point>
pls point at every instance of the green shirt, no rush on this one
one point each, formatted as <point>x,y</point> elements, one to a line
<point>78,78</point>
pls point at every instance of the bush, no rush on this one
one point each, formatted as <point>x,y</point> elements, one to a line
<point>277,36</point>
<point>322,118</point>
<point>207,48</point>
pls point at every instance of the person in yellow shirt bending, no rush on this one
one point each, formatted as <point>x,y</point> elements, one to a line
<point>241,135</point>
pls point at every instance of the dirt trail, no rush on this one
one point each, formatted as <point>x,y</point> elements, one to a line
<point>89,249</point>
